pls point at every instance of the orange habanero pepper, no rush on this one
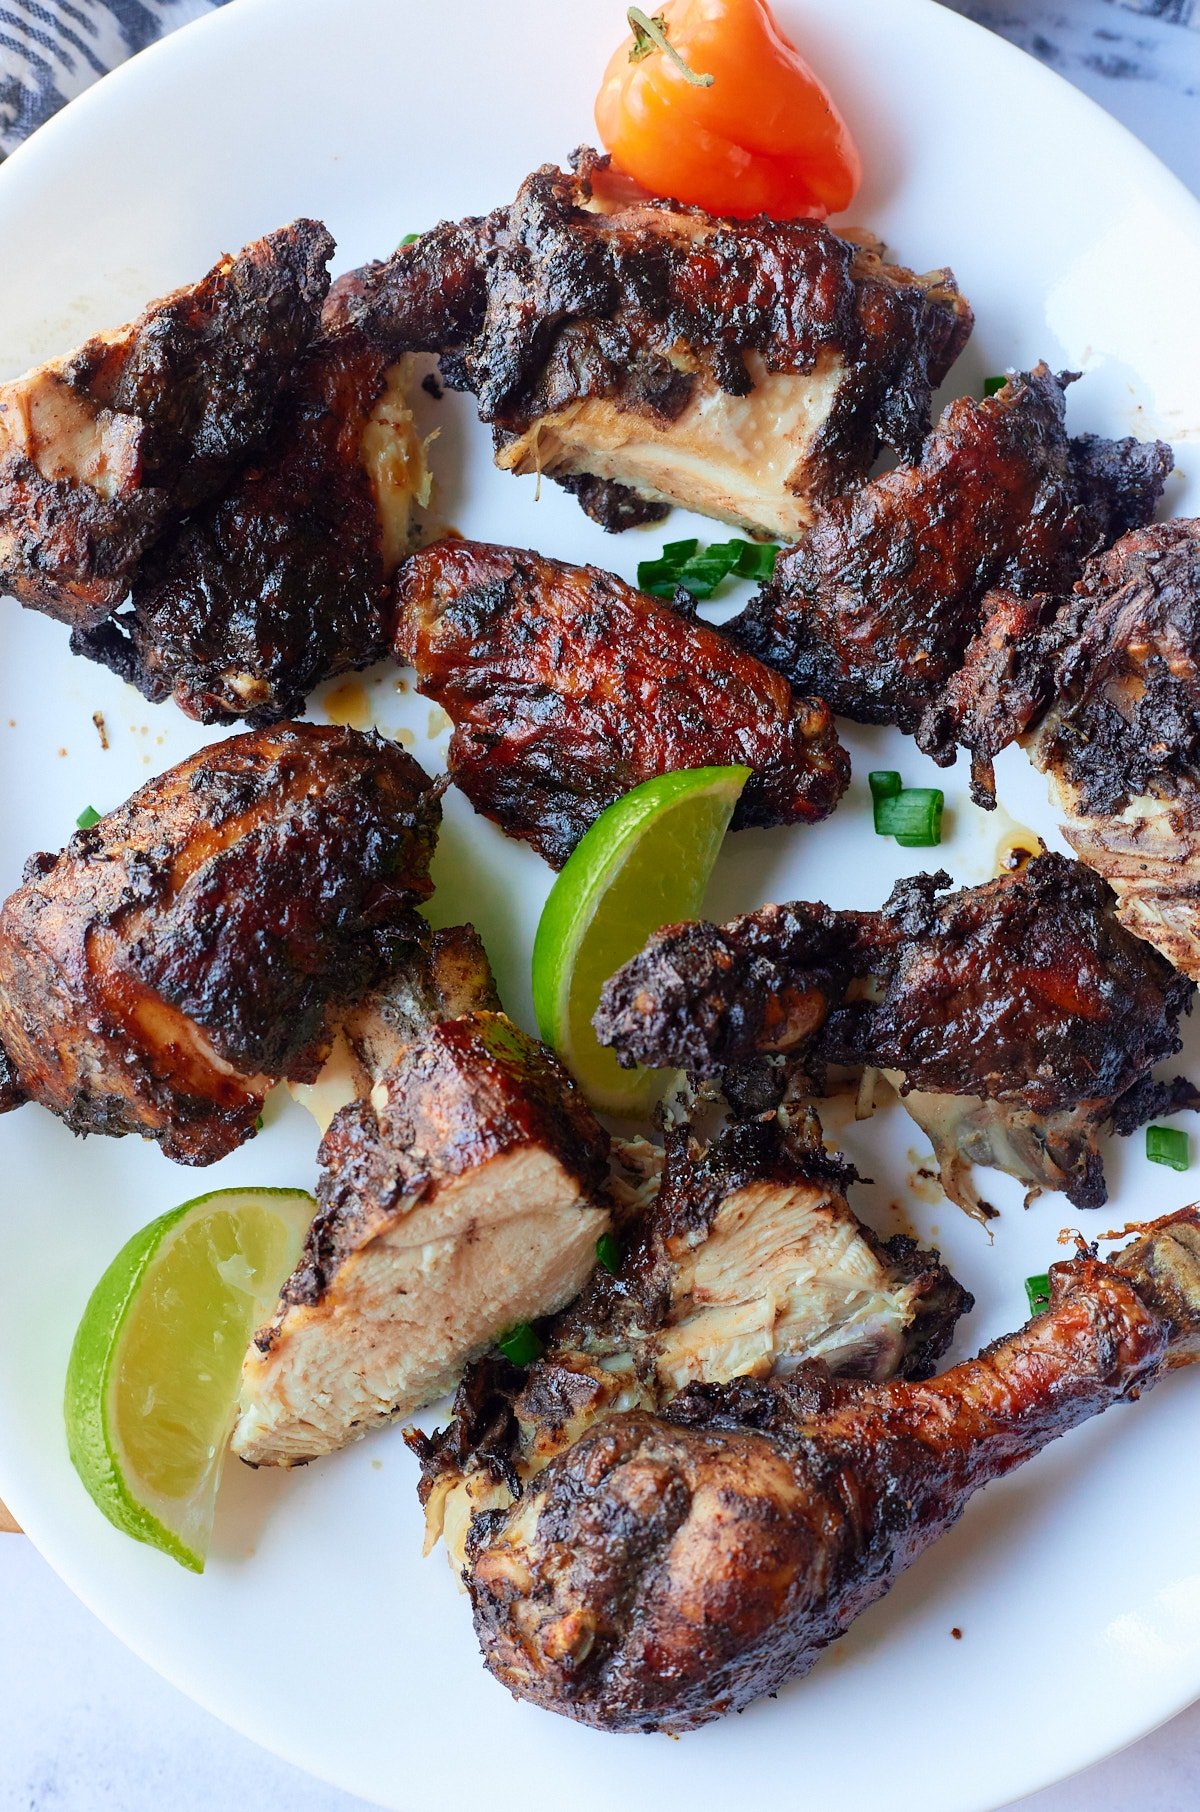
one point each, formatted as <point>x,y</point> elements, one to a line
<point>709,103</point>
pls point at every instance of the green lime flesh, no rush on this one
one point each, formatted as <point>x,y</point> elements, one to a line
<point>645,863</point>
<point>152,1381</point>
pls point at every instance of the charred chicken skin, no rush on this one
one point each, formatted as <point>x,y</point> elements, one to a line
<point>282,581</point>
<point>1103,687</point>
<point>567,687</point>
<point>745,1259</point>
<point>874,607</point>
<point>464,1196</point>
<point>669,1568</point>
<point>646,354</point>
<point>102,451</point>
<point>194,946</point>
<point>1016,1018</point>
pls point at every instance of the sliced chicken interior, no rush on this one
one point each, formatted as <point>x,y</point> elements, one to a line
<point>466,1195</point>
<point>740,1260</point>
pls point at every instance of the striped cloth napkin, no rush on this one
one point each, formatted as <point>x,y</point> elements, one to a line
<point>50,50</point>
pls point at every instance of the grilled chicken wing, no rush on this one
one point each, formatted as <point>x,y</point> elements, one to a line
<point>187,951</point>
<point>646,354</point>
<point>567,687</point>
<point>464,1196</point>
<point>102,451</point>
<point>746,1259</point>
<point>282,581</point>
<point>667,1569</point>
<point>874,607</point>
<point>1016,1018</point>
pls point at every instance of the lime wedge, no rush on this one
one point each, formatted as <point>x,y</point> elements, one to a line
<point>152,1382</point>
<point>644,864</point>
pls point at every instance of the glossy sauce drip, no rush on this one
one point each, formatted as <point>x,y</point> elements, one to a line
<point>350,704</point>
<point>1016,849</point>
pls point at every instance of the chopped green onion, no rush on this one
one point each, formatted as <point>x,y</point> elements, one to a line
<point>409,237</point>
<point>884,783</point>
<point>1038,1291</point>
<point>520,1345</point>
<point>87,817</point>
<point>1168,1145</point>
<point>992,384</point>
<point>755,559</point>
<point>701,570</point>
<point>609,1253</point>
<point>258,1124</point>
<point>913,816</point>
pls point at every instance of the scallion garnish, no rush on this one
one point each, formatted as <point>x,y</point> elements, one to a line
<point>913,816</point>
<point>409,237</point>
<point>609,1253</point>
<point>520,1345</point>
<point>992,384</point>
<point>884,783</point>
<point>1168,1145</point>
<point>700,570</point>
<point>1038,1291</point>
<point>87,817</point>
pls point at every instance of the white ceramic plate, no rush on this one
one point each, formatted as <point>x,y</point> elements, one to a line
<point>317,1628</point>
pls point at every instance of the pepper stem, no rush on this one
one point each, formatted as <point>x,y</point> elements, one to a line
<point>650,35</point>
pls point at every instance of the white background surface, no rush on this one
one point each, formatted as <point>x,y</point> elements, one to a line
<point>84,1726</point>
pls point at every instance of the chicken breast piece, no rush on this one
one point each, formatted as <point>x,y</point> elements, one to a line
<point>188,950</point>
<point>739,1260</point>
<point>874,607</point>
<point>645,354</point>
<point>567,687</point>
<point>464,1197</point>
<point>282,581</point>
<point>103,450</point>
<point>1120,739</point>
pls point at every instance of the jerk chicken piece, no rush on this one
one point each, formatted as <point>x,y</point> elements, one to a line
<point>644,353</point>
<point>567,687</point>
<point>1016,1018</point>
<point>746,1259</point>
<point>435,975</point>
<point>669,1568</point>
<point>1103,688</point>
<point>193,947</point>
<point>464,1196</point>
<point>103,450</point>
<point>874,607</point>
<point>282,581</point>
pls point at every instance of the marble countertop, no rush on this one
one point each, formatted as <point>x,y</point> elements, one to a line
<point>84,1726</point>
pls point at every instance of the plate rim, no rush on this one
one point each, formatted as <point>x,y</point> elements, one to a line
<point>1147,169</point>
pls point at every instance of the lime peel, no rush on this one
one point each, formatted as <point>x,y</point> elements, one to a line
<point>152,1381</point>
<point>645,863</point>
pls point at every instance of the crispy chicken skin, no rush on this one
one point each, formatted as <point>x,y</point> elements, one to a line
<point>567,687</point>
<point>187,951</point>
<point>434,975</point>
<point>1103,687</point>
<point>667,1569</point>
<point>1016,1017</point>
<point>282,581</point>
<point>646,353</point>
<point>745,1259</point>
<point>464,1196</point>
<point>104,450</point>
<point>874,607</point>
